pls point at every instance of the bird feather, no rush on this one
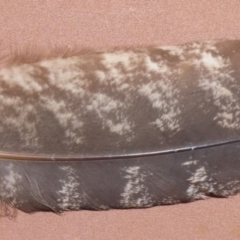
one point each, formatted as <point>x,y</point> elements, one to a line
<point>129,128</point>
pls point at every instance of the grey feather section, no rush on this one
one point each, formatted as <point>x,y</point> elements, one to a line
<point>123,129</point>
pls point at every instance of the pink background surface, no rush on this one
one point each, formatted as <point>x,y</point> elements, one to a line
<point>79,24</point>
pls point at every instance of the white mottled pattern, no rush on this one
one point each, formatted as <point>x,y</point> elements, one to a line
<point>66,74</point>
<point>120,69</point>
<point>187,163</point>
<point>169,200</point>
<point>210,62</point>
<point>27,129</point>
<point>199,175</point>
<point>103,87</point>
<point>69,196</point>
<point>194,49</point>
<point>160,92</point>
<point>127,59</point>
<point>163,96</point>
<point>104,105</point>
<point>214,80</point>
<point>175,51</point>
<point>20,76</point>
<point>158,67</point>
<point>10,183</point>
<point>229,188</point>
<point>199,184</point>
<point>135,193</point>
<point>229,108</point>
<point>69,120</point>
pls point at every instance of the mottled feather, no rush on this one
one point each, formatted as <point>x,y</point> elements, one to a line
<point>121,129</point>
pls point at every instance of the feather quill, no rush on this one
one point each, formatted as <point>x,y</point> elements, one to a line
<point>129,128</point>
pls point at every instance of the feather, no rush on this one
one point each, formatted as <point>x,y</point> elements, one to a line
<point>129,128</point>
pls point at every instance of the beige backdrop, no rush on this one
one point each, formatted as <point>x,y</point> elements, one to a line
<point>45,24</point>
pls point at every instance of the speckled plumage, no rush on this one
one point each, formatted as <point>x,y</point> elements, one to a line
<point>106,130</point>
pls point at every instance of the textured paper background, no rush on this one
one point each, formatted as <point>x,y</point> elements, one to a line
<point>43,24</point>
